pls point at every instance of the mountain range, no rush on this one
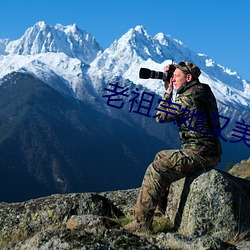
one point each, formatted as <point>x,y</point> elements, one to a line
<point>59,133</point>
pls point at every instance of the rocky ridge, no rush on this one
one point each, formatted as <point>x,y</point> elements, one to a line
<point>207,211</point>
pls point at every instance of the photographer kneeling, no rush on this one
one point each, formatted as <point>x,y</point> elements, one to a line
<point>198,122</point>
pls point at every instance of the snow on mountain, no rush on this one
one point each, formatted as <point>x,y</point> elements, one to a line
<point>57,55</point>
<point>73,56</point>
<point>125,55</point>
<point>42,38</point>
<point>63,73</point>
<point>137,49</point>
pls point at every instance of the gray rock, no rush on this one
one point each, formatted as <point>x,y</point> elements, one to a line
<point>210,210</point>
<point>212,202</point>
<point>178,241</point>
<point>243,245</point>
<point>90,221</point>
<point>20,220</point>
<point>241,169</point>
<point>124,199</point>
<point>95,239</point>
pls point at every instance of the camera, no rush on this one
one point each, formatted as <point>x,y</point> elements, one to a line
<point>145,73</point>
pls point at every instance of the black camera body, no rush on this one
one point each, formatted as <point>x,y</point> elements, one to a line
<point>145,73</point>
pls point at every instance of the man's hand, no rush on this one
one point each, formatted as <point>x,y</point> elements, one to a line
<point>168,85</point>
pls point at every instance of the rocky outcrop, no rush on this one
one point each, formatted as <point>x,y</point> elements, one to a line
<point>241,169</point>
<point>209,210</point>
<point>210,202</point>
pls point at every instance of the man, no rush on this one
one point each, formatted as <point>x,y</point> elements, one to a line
<point>195,113</point>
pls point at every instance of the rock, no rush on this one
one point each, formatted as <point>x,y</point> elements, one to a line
<point>212,202</point>
<point>243,245</point>
<point>90,221</point>
<point>123,199</point>
<point>209,210</point>
<point>20,220</point>
<point>241,169</point>
<point>178,241</point>
<point>63,239</point>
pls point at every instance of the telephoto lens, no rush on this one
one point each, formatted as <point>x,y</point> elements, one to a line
<point>144,73</point>
<point>147,73</point>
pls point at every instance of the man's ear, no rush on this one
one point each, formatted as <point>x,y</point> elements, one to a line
<point>189,77</point>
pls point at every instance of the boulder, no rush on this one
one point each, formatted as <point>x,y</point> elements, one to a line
<point>210,202</point>
<point>19,221</point>
<point>241,169</point>
<point>209,210</point>
<point>179,241</point>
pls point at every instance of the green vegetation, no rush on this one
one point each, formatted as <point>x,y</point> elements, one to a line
<point>160,223</point>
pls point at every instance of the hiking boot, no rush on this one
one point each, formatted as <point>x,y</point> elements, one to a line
<point>140,227</point>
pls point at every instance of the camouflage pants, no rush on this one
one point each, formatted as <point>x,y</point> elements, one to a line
<point>167,167</point>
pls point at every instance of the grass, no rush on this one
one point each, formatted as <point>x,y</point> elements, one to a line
<point>160,223</point>
<point>123,220</point>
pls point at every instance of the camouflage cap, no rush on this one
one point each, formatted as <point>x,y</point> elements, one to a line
<point>189,68</point>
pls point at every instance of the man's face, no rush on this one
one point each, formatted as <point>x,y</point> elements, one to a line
<point>179,78</point>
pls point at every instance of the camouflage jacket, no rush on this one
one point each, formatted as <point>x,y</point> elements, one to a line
<point>195,113</point>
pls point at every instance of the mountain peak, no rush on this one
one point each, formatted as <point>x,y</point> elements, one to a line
<point>41,24</point>
<point>134,46</point>
<point>140,29</point>
<point>69,28</point>
<point>42,38</point>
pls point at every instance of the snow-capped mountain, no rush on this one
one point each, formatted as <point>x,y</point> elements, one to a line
<point>55,138</point>
<point>74,56</point>
<point>64,73</point>
<point>57,55</point>
<point>41,38</point>
<point>137,49</point>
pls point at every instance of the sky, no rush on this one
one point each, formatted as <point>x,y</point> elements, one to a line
<point>217,28</point>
